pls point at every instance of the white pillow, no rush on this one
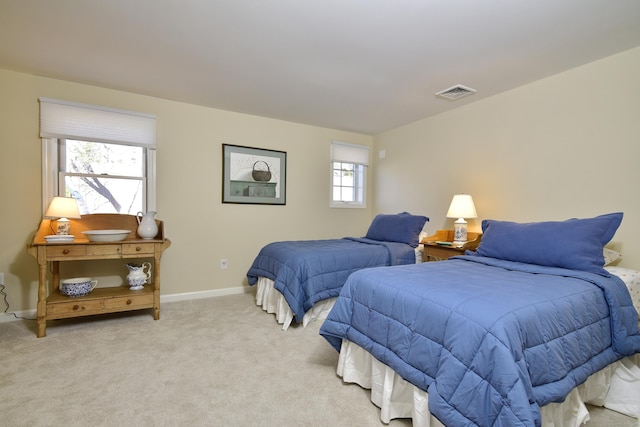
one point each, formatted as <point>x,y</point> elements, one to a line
<point>631,278</point>
<point>610,256</point>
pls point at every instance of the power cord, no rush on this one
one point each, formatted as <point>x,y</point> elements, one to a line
<point>6,304</point>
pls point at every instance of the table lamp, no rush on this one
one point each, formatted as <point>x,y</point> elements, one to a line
<point>461,207</point>
<point>63,208</point>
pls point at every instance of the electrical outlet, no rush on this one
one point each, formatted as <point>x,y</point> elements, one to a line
<point>224,263</point>
<point>1,278</point>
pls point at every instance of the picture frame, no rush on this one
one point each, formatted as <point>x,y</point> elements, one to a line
<point>253,175</point>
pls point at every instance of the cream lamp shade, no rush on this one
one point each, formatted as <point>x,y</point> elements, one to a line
<point>63,208</point>
<point>461,207</point>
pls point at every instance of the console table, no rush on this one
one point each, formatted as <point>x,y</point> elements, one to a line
<point>54,305</point>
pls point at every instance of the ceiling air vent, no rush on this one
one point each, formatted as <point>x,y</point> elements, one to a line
<point>455,92</point>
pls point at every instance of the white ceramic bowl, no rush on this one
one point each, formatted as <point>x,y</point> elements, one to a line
<point>77,287</point>
<point>106,235</point>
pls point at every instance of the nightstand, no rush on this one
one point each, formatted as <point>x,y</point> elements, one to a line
<point>435,252</point>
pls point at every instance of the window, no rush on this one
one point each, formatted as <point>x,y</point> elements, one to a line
<point>104,178</point>
<point>102,157</point>
<point>348,175</point>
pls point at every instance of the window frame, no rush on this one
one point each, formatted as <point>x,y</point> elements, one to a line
<point>358,156</point>
<point>52,184</point>
<point>61,120</point>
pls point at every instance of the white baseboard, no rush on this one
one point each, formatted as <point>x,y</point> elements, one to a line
<point>205,294</point>
<point>31,314</point>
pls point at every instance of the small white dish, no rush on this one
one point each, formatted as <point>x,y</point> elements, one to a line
<point>59,238</point>
<point>106,235</point>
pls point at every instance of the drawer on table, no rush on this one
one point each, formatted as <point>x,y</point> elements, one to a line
<point>93,250</point>
<point>129,302</point>
<point>137,248</point>
<point>74,308</point>
<point>65,251</point>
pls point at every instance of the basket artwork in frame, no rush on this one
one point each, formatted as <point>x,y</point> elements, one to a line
<point>253,175</point>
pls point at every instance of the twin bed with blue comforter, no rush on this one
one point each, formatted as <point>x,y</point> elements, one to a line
<point>305,273</point>
<point>493,336</point>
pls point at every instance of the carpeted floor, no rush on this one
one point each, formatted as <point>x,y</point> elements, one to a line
<point>208,362</point>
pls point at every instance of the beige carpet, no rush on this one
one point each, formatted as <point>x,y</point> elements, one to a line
<point>209,362</point>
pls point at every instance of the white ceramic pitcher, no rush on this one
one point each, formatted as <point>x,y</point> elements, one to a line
<point>138,276</point>
<point>147,227</point>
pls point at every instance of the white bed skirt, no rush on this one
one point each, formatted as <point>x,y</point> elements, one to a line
<point>272,301</point>
<point>615,387</point>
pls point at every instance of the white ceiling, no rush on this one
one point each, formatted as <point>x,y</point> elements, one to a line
<point>359,65</point>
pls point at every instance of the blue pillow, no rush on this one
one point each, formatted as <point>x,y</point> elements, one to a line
<point>403,228</point>
<point>575,244</point>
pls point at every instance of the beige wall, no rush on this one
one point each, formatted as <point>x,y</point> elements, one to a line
<point>566,146</point>
<point>202,229</point>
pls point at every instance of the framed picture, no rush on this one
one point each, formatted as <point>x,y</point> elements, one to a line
<point>253,175</point>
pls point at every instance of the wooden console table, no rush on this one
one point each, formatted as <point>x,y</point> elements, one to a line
<point>55,305</point>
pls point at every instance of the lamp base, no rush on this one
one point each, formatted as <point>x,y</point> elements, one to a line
<point>64,227</point>
<point>459,232</point>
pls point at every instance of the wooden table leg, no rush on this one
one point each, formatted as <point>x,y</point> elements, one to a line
<point>156,287</point>
<point>42,301</point>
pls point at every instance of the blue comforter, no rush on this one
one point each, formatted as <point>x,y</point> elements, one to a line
<point>306,272</point>
<point>490,340</point>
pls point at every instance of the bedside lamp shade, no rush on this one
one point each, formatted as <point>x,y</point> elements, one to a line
<point>63,208</point>
<point>461,207</point>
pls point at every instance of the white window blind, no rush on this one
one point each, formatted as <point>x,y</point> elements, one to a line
<point>70,120</point>
<point>349,153</point>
